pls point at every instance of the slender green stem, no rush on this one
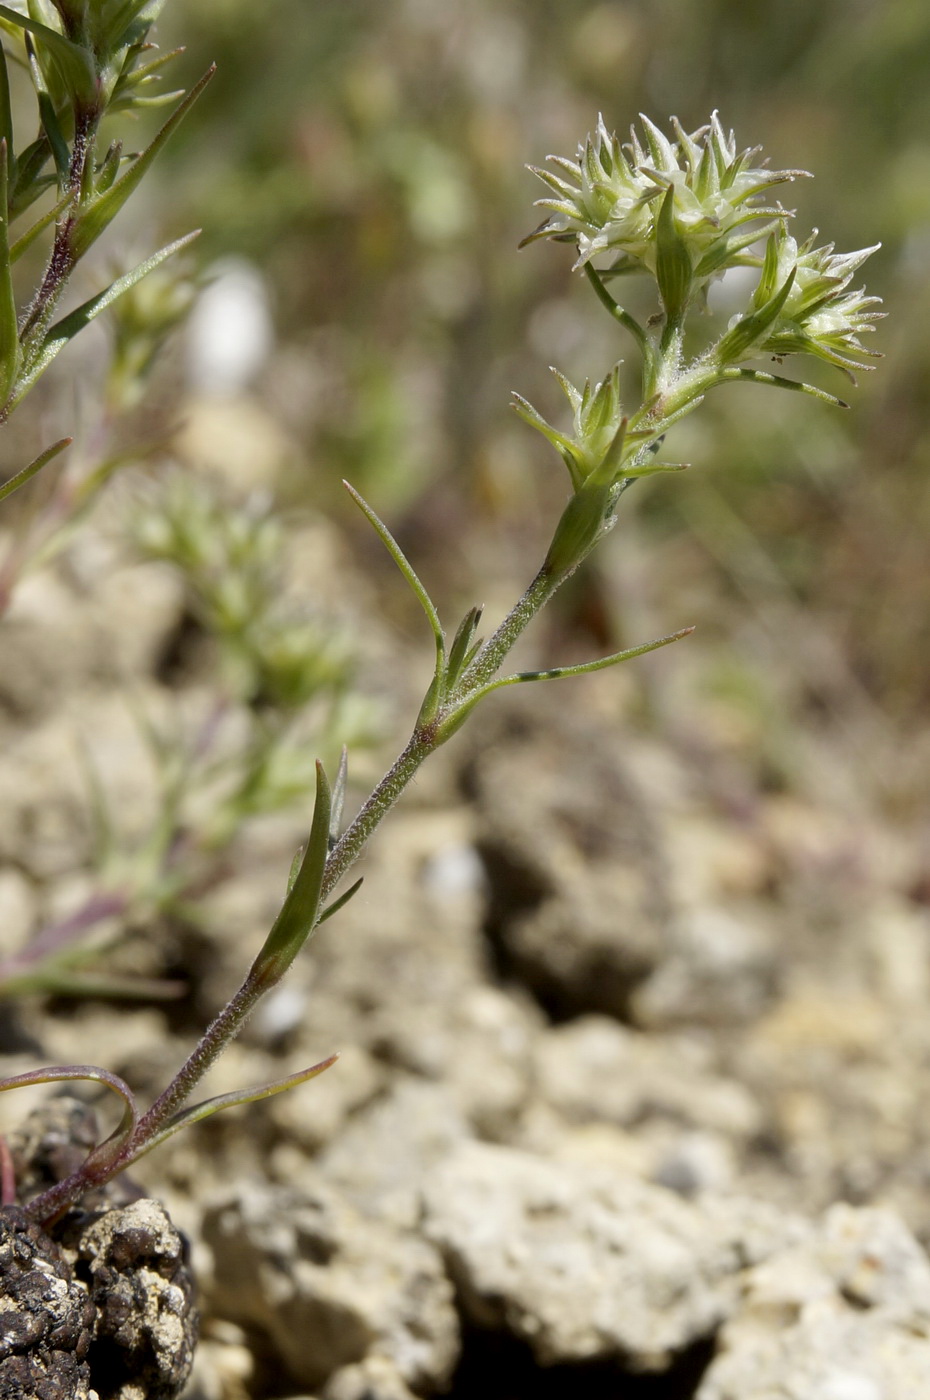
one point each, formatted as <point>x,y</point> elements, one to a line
<point>376,807</point>
<point>617,311</point>
<point>233,1016</point>
<point>211,1045</point>
<point>62,260</point>
<point>343,855</point>
<point>497,647</point>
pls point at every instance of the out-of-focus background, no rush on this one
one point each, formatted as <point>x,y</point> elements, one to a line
<point>670,922</point>
<point>369,161</point>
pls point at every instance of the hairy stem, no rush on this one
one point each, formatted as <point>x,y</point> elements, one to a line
<point>62,261</point>
<point>376,807</point>
<point>497,647</point>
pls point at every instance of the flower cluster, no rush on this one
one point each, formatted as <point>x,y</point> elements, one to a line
<point>684,211</point>
<point>608,199</point>
<point>596,414</point>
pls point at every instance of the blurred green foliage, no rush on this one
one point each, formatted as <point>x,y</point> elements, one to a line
<point>370,158</point>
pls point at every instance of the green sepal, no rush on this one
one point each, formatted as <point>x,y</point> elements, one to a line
<point>300,911</point>
<point>582,521</point>
<point>68,327</point>
<point>768,278</point>
<point>752,329</point>
<point>96,217</point>
<point>562,444</point>
<point>579,528</point>
<point>27,473</point>
<point>674,272</point>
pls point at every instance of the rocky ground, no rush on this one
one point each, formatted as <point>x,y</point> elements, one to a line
<point>634,1052</point>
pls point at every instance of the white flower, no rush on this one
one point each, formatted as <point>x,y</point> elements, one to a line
<point>607,200</point>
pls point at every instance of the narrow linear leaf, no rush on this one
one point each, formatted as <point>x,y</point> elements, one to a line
<point>27,239</point>
<point>403,563</point>
<point>650,468</point>
<point>616,310</point>
<point>55,1074</point>
<point>300,911</point>
<point>107,986</point>
<point>146,70</point>
<point>6,111</point>
<point>339,796</point>
<point>56,140</point>
<point>20,479</point>
<point>455,720</point>
<point>95,219</point>
<point>136,101</point>
<point>109,167</point>
<point>127,15</point>
<point>47,116</point>
<point>199,1111</point>
<point>75,62</point>
<point>68,327</point>
<point>557,673</point>
<point>30,182</point>
<point>341,902</point>
<point>461,648</point>
<point>9,328</point>
<point>777,381</point>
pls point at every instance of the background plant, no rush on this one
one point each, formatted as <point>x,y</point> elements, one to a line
<point>88,64</point>
<point>281,680</point>
<point>684,211</point>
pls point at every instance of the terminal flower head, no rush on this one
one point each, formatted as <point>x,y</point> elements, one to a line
<point>608,199</point>
<point>820,315</point>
